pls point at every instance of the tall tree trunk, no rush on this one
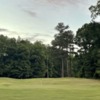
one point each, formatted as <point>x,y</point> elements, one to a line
<point>62,68</point>
<point>68,69</point>
<point>47,69</point>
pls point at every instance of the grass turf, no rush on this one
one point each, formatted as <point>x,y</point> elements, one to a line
<point>49,89</point>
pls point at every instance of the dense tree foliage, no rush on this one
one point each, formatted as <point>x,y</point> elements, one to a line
<point>21,59</point>
<point>88,57</point>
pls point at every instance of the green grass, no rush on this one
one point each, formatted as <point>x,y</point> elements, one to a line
<point>49,89</point>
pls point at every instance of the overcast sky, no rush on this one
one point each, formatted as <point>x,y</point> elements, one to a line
<point>36,19</point>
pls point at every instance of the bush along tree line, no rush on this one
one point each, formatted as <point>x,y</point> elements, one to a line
<point>22,59</point>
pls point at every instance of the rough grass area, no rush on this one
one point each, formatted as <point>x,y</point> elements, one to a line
<point>49,89</point>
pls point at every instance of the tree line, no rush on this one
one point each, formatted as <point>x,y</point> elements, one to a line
<point>22,59</point>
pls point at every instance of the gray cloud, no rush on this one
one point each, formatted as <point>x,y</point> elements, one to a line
<point>45,38</point>
<point>9,33</point>
<point>27,9</point>
<point>31,13</point>
<point>66,2</point>
<point>3,30</point>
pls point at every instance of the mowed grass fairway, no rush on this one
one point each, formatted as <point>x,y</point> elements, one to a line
<point>49,89</point>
